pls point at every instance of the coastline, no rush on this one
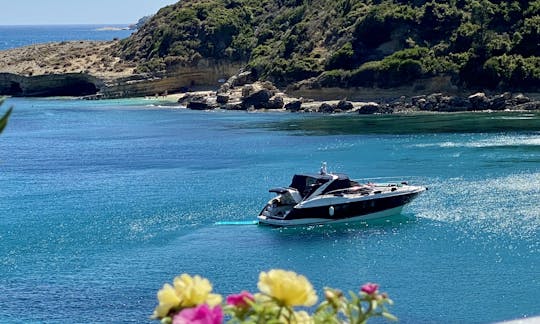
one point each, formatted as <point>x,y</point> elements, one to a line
<point>241,92</point>
<point>90,69</point>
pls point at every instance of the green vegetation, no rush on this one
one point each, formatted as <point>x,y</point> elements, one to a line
<point>5,117</point>
<point>480,43</point>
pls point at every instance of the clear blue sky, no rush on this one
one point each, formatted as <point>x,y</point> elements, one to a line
<point>59,12</point>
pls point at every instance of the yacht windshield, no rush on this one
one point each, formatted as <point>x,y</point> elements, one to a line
<point>306,184</point>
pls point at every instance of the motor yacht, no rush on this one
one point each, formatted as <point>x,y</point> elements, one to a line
<point>325,197</point>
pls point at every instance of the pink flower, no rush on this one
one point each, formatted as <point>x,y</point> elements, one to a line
<point>240,300</point>
<point>369,288</point>
<point>201,314</point>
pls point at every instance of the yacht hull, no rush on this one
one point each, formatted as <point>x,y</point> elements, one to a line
<point>341,210</point>
<point>320,221</point>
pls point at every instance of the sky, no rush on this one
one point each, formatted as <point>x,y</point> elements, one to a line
<point>60,12</point>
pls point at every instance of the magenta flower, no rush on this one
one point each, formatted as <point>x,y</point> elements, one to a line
<point>201,314</point>
<point>369,288</point>
<point>240,300</point>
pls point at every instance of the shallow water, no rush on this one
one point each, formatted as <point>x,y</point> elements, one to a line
<point>103,202</point>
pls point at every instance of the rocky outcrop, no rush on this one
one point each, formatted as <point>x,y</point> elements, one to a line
<point>90,68</point>
<point>293,106</point>
<point>370,108</point>
<point>479,101</point>
<point>264,95</point>
<point>256,99</point>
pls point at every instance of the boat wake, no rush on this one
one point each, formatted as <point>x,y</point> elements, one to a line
<point>492,142</point>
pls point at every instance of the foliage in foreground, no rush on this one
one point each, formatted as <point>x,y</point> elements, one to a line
<point>4,119</point>
<point>190,300</point>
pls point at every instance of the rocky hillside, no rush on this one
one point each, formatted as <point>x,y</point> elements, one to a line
<point>347,43</point>
<point>91,57</point>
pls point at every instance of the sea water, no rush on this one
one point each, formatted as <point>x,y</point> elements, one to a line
<point>102,202</point>
<point>17,36</point>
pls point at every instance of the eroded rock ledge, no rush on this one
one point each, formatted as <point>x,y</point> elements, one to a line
<point>92,69</point>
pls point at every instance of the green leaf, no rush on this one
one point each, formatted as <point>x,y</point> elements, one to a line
<point>389,316</point>
<point>4,119</point>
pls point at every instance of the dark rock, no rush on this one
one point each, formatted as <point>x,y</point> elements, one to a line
<point>294,106</point>
<point>326,108</point>
<point>344,105</point>
<point>458,102</point>
<point>429,106</point>
<point>184,99</point>
<point>190,96</point>
<point>479,101</point>
<point>370,108</point>
<point>258,99</point>
<point>200,105</point>
<point>222,98</point>
<point>276,102</point>
<point>499,102</point>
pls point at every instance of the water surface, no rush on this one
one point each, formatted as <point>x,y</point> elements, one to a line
<point>103,202</point>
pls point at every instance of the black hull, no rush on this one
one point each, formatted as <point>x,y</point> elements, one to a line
<point>351,209</point>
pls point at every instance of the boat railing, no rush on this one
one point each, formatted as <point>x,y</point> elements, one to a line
<point>384,181</point>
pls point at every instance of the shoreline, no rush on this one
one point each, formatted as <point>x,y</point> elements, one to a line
<point>240,93</point>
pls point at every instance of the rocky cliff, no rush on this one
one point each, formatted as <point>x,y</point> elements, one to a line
<point>92,69</point>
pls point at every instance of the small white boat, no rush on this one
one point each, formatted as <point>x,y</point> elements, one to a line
<point>323,198</point>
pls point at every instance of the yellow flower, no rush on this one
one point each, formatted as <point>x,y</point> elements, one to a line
<point>288,287</point>
<point>187,292</point>
<point>167,300</point>
<point>194,291</point>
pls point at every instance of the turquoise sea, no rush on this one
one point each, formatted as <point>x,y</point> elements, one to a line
<point>102,202</point>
